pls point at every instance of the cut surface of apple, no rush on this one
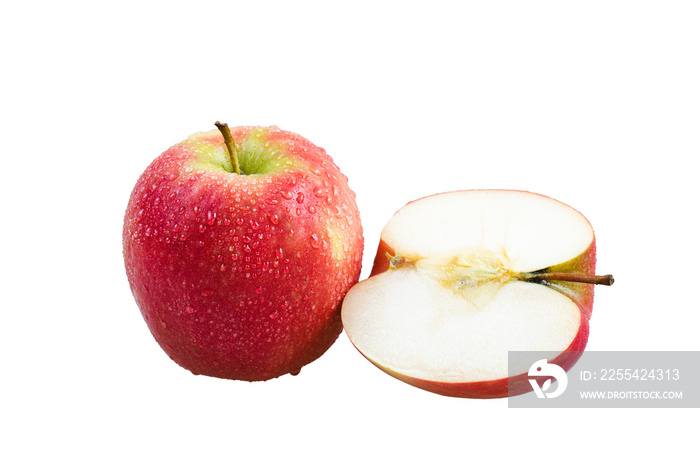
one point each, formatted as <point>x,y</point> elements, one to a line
<point>456,285</point>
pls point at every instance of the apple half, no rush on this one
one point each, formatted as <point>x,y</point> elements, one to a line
<point>462,278</point>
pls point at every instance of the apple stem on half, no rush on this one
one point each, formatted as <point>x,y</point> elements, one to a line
<point>567,277</point>
<point>230,146</point>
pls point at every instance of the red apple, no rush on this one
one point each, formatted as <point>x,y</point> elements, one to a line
<point>462,278</point>
<point>239,248</point>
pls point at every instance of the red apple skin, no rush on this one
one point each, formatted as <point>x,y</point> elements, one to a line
<point>580,293</point>
<point>242,276</point>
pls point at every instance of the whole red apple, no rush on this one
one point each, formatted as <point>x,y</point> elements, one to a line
<point>239,246</point>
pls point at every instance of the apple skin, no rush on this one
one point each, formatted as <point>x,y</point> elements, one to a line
<point>580,293</point>
<point>242,276</point>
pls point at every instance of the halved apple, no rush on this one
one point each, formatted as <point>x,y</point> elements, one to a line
<point>461,278</point>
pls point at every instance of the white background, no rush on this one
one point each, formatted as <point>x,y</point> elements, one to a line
<point>593,103</point>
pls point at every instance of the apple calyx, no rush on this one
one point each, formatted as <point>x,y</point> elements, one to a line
<point>230,146</point>
<point>395,261</point>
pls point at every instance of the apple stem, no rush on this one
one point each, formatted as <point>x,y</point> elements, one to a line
<point>230,146</point>
<point>568,277</point>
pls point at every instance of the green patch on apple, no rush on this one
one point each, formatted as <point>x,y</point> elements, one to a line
<point>252,155</point>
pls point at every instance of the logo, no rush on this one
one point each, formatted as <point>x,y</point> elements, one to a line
<point>542,368</point>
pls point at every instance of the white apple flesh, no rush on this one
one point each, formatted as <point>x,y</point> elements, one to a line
<point>461,278</point>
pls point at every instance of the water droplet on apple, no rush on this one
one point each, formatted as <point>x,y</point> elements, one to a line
<point>315,243</point>
<point>189,309</point>
<point>202,228</point>
<point>318,191</point>
<point>311,209</point>
<point>300,198</point>
<point>211,217</point>
<point>286,194</point>
<point>163,324</point>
